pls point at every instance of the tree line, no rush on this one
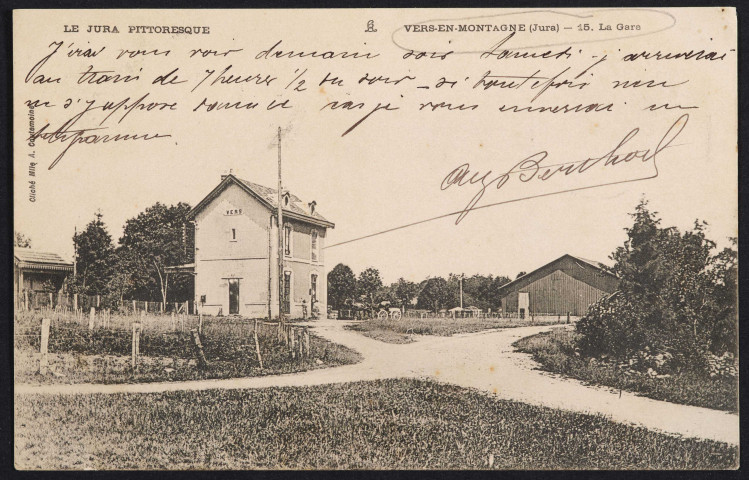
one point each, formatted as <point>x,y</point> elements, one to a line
<point>134,268</point>
<point>367,291</point>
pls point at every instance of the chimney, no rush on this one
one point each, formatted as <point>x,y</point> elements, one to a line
<point>312,206</point>
<point>231,172</point>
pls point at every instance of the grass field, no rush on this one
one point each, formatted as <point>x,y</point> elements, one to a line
<point>391,424</point>
<point>400,331</point>
<point>77,355</point>
<point>555,352</point>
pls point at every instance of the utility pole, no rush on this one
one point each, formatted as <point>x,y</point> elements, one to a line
<point>461,290</point>
<point>75,251</point>
<point>280,235</point>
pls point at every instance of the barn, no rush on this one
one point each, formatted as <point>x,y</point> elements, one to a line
<point>568,284</point>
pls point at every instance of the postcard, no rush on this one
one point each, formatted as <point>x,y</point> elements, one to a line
<point>418,239</point>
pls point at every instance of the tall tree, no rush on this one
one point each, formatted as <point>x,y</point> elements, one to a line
<point>723,333</point>
<point>497,283</point>
<point>122,282</point>
<point>94,250</point>
<point>341,286</point>
<point>21,240</point>
<point>404,292</point>
<point>478,289</point>
<point>434,295</point>
<point>673,296</point>
<point>481,291</point>
<point>154,240</point>
<point>369,285</point>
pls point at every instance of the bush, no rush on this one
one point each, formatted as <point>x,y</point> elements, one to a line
<point>675,296</point>
<point>611,327</point>
<point>555,352</point>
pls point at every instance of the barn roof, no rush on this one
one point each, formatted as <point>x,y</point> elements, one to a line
<point>588,270</point>
<point>37,260</point>
<point>296,209</point>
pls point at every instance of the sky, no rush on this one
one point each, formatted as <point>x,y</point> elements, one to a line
<point>387,172</point>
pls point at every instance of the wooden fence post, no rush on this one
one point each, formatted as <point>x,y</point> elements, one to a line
<point>174,323</point>
<point>202,363</point>
<point>43,361</point>
<point>200,324</point>
<point>136,344</point>
<point>292,343</point>
<point>306,341</point>
<point>98,301</point>
<point>91,316</point>
<point>257,345</point>
<point>51,301</point>
<point>300,334</point>
<point>75,302</point>
<point>25,300</point>
<point>145,305</point>
<point>134,308</point>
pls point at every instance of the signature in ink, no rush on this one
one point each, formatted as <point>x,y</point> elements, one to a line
<point>532,168</point>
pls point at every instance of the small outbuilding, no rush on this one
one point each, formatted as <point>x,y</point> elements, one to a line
<point>568,284</point>
<point>36,272</point>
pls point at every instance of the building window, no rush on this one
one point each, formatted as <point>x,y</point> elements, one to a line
<point>287,240</point>
<point>314,246</point>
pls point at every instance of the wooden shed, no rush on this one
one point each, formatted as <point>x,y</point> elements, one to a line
<point>36,272</point>
<point>567,285</point>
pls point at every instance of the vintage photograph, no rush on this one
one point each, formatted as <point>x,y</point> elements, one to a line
<point>375,239</point>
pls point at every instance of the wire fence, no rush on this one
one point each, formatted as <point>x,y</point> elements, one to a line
<point>198,338</point>
<point>28,301</point>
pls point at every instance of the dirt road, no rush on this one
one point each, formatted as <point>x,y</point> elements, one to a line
<point>485,361</point>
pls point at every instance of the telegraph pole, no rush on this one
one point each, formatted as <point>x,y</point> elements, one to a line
<point>280,235</point>
<point>461,291</point>
<point>75,251</point>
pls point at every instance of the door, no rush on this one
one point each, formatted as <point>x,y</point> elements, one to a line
<point>233,296</point>
<point>523,304</point>
<point>313,289</point>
